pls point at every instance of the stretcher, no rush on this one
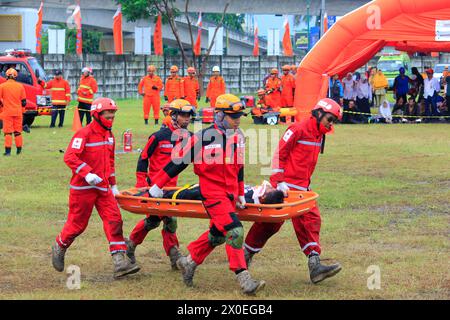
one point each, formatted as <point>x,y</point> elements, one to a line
<point>297,203</point>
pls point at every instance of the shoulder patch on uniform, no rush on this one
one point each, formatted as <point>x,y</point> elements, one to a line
<point>287,135</point>
<point>76,144</point>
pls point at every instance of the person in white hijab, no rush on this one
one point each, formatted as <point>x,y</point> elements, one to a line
<point>385,112</point>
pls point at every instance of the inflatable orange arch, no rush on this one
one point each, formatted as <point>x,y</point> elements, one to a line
<point>407,25</point>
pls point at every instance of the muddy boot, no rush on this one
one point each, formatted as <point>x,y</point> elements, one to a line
<point>58,254</point>
<point>248,257</point>
<point>187,267</point>
<point>19,150</point>
<point>319,272</point>
<point>249,285</point>
<point>7,152</point>
<point>131,248</point>
<point>123,265</point>
<point>174,255</point>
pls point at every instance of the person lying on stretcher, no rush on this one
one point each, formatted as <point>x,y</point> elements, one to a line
<point>263,194</point>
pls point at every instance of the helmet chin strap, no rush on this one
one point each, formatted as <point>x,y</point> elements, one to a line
<point>101,124</point>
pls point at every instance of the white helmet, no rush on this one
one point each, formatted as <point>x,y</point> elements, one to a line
<point>85,69</point>
<point>216,68</point>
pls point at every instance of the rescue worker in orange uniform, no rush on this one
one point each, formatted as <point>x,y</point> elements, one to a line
<point>90,156</point>
<point>294,70</point>
<point>159,150</point>
<point>218,156</point>
<point>293,165</point>
<point>260,108</point>
<point>273,90</point>
<point>12,102</point>
<point>174,88</point>
<point>60,90</point>
<point>166,112</point>
<point>86,90</point>
<point>287,87</point>
<point>216,87</point>
<point>149,87</point>
<point>191,87</point>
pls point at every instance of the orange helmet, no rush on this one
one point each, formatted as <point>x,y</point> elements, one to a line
<point>173,69</point>
<point>181,106</point>
<point>11,72</point>
<point>274,71</point>
<point>286,67</point>
<point>151,68</point>
<point>191,70</point>
<point>102,104</point>
<point>293,67</point>
<point>330,106</point>
<point>261,92</point>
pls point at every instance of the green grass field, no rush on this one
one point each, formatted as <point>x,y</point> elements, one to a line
<point>384,197</point>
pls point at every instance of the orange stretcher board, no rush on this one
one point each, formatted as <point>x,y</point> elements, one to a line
<point>297,203</point>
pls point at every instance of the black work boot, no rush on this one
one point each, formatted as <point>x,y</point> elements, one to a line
<point>248,257</point>
<point>123,265</point>
<point>146,121</point>
<point>187,267</point>
<point>58,254</point>
<point>156,121</point>
<point>174,255</point>
<point>131,248</point>
<point>318,271</point>
<point>7,152</point>
<point>19,150</point>
<point>249,285</point>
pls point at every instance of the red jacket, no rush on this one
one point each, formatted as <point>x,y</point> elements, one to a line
<point>220,173</point>
<point>157,153</point>
<point>295,159</point>
<point>91,150</point>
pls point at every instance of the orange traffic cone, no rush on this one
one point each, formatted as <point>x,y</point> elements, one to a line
<point>76,124</point>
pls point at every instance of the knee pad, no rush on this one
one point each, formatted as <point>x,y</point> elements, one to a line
<point>16,134</point>
<point>151,223</point>
<point>235,237</point>
<point>170,224</point>
<point>215,237</point>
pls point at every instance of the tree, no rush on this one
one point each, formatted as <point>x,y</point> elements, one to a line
<point>91,39</point>
<point>145,9</point>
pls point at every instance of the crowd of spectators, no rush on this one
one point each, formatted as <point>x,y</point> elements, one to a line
<point>417,96</point>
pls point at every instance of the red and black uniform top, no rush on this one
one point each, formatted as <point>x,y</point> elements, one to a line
<point>218,162</point>
<point>161,147</point>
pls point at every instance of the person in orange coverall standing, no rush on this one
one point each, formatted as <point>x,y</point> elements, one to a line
<point>191,87</point>
<point>174,88</point>
<point>149,87</point>
<point>216,87</point>
<point>13,101</point>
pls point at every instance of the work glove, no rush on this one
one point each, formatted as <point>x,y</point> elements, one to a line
<point>283,187</point>
<point>241,202</point>
<point>155,192</point>
<point>165,98</point>
<point>155,88</point>
<point>115,190</point>
<point>93,179</point>
<point>206,99</point>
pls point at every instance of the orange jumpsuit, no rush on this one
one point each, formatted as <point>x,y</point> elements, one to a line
<point>273,99</point>
<point>151,95</point>
<point>191,89</point>
<point>86,89</point>
<point>287,91</point>
<point>174,88</point>
<point>216,87</point>
<point>12,94</point>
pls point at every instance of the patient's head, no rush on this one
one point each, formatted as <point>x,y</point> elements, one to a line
<point>272,196</point>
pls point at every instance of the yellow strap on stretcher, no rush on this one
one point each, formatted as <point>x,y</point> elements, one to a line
<point>185,187</point>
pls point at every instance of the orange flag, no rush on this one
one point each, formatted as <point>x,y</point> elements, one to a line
<point>256,42</point>
<point>117,31</point>
<point>157,37</point>
<point>77,19</point>
<point>287,44</point>
<point>39,29</point>
<point>76,124</point>
<point>197,46</point>
<point>325,22</point>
